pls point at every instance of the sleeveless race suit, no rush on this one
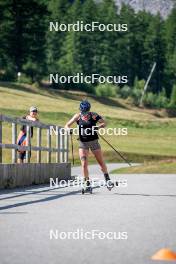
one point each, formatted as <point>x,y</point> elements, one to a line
<point>86,122</point>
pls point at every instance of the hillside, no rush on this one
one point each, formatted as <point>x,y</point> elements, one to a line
<point>149,136</point>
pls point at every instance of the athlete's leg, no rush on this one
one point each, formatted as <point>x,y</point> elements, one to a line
<point>99,157</point>
<point>83,154</point>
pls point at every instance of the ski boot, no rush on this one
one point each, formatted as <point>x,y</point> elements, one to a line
<point>86,187</point>
<point>109,183</point>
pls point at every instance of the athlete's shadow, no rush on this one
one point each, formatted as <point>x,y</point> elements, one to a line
<point>46,199</point>
<point>13,213</point>
<point>147,195</point>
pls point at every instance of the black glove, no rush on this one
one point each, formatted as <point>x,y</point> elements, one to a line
<point>96,128</point>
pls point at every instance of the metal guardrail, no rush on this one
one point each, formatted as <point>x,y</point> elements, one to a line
<point>62,140</point>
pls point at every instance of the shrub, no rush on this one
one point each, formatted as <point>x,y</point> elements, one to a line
<point>25,79</point>
<point>161,100</point>
<point>173,98</point>
<point>137,90</point>
<point>136,95</point>
<point>138,84</point>
<point>106,90</point>
<point>8,73</point>
<point>125,91</point>
<point>150,99</point>
<point>156,100</point>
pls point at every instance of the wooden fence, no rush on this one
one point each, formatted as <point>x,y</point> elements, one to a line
<point>61,148</point>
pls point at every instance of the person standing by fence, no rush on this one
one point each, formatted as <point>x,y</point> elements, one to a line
<point>22,137</point>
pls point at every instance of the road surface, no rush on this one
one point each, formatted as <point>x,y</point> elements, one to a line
<point>48,226</point>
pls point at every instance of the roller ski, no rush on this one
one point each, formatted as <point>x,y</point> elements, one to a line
<point>87,188</point>
<point>109,183</point>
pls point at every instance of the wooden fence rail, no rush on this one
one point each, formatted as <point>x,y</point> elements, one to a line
<point>61,148</point>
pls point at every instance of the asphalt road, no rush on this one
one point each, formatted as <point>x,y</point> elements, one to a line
<point>42,225</point>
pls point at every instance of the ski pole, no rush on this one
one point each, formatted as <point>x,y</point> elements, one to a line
<point>115,150</point>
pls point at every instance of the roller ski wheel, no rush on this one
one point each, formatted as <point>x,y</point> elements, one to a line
<point>87,188</point>
<point>110,185</point>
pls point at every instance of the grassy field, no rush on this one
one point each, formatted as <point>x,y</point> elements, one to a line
<point>151,134</point>
<point>168,166</point>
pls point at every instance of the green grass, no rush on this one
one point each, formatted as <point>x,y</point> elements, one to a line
<point>157,167</point>
<point>149,136</point>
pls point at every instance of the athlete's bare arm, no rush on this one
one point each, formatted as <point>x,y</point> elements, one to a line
<point>72,121</point>
<point>101,123</point>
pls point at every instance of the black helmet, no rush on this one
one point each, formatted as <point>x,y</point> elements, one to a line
<point>84,106</point>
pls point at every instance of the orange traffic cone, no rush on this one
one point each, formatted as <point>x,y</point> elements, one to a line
<point>164,254</point>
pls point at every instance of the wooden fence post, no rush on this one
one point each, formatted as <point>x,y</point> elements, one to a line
<point>14,139</point>
<point>28,135</point>
<point>48,145</point>
<point>62,141</point>
<point>57,144</point>
<point>62,146</point>
<point>39,139</point>
<point>67,147</point>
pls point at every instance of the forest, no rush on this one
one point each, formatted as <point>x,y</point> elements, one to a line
<point>29,46</point>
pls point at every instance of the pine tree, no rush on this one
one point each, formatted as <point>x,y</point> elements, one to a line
<point>107,42</point>
<point>154,51</point>
<point>88,40</point>
<point>138,28</point>
<point>173,97</point>
<point>58,13</point>
<point>35,36</point>
<point>170,69</point>
<point>23,33</point>
<point>126,44</point>
<point>70,60</point>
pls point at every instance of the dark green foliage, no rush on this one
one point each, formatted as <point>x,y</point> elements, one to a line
<point>22,35</point>
<point>161,100</point>
<point>156,100</point>
<point>154,51</point>
<point>28,46</point>
<point>173,98</point>
<point>125,91</point>
<point>170,67</point>
<point>106,90</point>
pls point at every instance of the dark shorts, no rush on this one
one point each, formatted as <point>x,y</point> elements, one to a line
<point>92,145</point>
<point>22,155</point>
